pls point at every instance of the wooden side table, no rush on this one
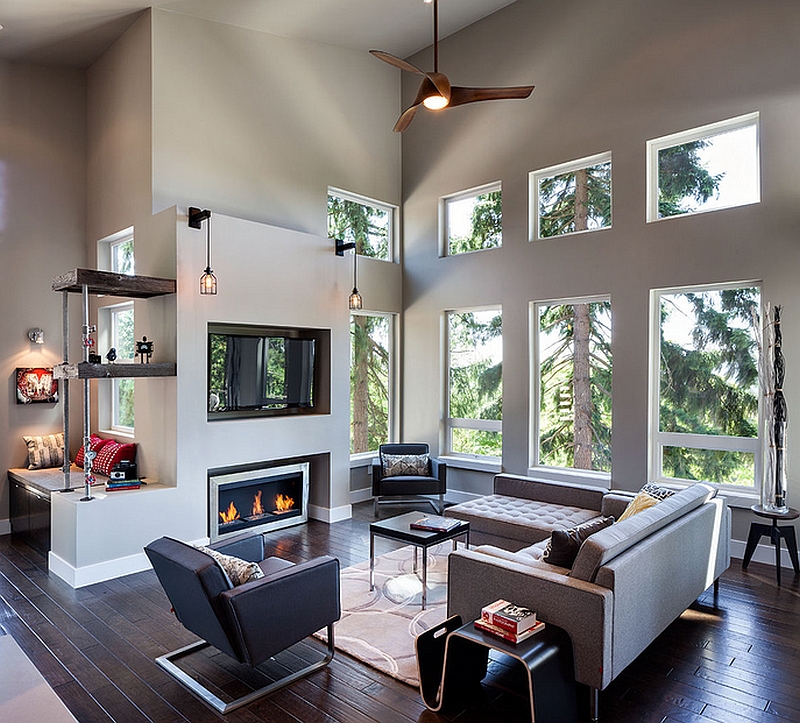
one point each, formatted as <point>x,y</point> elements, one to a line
<point>775,532</point>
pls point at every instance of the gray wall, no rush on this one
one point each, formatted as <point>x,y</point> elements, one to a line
<point>609,75</point>
<point>42,232</point>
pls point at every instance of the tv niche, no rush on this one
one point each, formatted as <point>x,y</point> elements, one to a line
<point>267,371</point>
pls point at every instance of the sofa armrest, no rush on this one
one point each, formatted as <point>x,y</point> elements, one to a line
<point>583,609</point>
<point>270,614</point>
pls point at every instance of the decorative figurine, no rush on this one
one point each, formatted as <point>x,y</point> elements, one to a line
<point>112,355</point>
<point>95,358</point>
<point>144,349</point>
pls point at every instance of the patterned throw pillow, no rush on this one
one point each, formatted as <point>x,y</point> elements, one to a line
<point>649,496</point>
<point>563,545</point>
<point>238,571</point>
<point>95,443</point>
<point>110,454</point>
<point>395,465</point>
<point>46,451</point>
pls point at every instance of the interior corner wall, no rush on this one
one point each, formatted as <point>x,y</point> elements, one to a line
<point>609,75</point>
<point>42,233</point>
<point>257,126</point>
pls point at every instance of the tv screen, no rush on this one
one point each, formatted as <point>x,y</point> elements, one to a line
<point>260,371</point>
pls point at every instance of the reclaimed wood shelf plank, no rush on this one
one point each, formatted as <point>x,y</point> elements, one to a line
<point>85,370</point>
<point>112,284</point>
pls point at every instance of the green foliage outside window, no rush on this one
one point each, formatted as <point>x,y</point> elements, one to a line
<point>575,386</point>
<point>476,379</point>
<point>485,226</point>
<point>368,226</point>
<point>576,201</point>
<point>124,343</point>
<point>683,182</point>
<point>369,382</point>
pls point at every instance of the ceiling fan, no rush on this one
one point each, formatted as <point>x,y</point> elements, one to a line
<point>435,91</point>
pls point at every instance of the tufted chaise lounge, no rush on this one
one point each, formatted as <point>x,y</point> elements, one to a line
<point>523,511</point>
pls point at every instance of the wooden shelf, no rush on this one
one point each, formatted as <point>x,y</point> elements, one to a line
<point>85,370</point>
<point>111,284</point>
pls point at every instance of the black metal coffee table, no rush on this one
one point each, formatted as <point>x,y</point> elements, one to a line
<point>399,529</point>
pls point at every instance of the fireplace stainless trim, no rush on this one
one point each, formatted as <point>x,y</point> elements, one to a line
<point>220,479</point>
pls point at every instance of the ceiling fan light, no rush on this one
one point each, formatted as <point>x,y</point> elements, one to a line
<point>435,101</point>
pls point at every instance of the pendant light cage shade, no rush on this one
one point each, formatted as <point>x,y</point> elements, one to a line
<point>208,282</point>
<point>356,302</point>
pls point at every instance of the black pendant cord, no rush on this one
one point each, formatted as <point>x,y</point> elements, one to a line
<point>435,36</point>
<point>208,242</point>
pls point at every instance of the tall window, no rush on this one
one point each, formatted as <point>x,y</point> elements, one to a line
<point>573,371</point>
<point>369,224</point>
<point>475,382</point>
<point>703,169</point>
<point>115,253</point>
<point>122,339</point>
<point>704,384</point>
<point>571,197</point>
<point>371,390</point>
<point>473,220</point>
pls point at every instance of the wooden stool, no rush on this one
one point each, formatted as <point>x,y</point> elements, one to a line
<point>775,533</point>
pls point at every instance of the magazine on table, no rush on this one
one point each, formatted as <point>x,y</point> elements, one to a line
<point>435,524</point>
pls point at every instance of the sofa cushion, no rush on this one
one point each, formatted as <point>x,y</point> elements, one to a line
<point>516,518</point>
<point>530,556</point>
<point>614,540</point>
<point>563,545</point>
<point>558,493</point>
<point>651,494</point>
<point>405,465</point>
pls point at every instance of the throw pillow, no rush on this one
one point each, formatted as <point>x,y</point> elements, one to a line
<point>46,451</point>
<point>649,496</point>
<point>563,545</point>
<point>395,465</point>
<point>238,571</point>
<point>95,443</point>
<point>110,454</point>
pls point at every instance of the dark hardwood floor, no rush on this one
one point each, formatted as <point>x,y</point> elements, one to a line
<point>739,661</point>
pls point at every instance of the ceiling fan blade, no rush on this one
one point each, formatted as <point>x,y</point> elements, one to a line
<point>405,119</point>
<point>460,96</point>
<point>440,83</point>
<point>396,62</point>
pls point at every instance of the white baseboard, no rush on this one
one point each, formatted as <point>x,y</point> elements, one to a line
<point>100,572</point>
<point>330,514</point>
<point>362,495</point>
<point>763,553</point>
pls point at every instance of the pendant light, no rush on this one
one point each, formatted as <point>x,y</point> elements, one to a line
<point>355,300</point>
<point>208,281</point>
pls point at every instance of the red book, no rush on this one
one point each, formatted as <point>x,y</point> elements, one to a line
<point>505,635</point>
<point>516,619</point>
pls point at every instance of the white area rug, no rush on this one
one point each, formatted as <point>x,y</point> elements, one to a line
<point>379,627</point>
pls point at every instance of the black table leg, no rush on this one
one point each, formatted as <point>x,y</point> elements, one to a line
<point>757,530</point>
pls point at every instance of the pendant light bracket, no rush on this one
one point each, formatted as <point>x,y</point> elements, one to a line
<point>196,216</point>
<point>341,246</point>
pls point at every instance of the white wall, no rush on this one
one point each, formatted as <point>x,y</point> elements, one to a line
<point>42,233</point>
<point>609,75</point>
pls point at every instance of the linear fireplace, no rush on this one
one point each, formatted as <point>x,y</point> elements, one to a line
<point>257,500</point>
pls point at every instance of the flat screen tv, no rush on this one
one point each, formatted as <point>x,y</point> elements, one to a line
<point>264,371</point>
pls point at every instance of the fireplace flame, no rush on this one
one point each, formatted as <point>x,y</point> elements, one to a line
<point>283,503</point>
<point>230,514</point>
<point>258,508</point>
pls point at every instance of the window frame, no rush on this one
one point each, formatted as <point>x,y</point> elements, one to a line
<point>700,133</point>
<point>658,440</point>
<point>445,201</point>
<point>392,383</point>
<point>451,423</point>
<point>106,256</point>
<point>558,474</point>
<point>392,210</point>
<point>534,177</point>
<point>108,397</point>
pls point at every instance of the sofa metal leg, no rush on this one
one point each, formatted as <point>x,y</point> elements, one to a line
<point>594,704</point>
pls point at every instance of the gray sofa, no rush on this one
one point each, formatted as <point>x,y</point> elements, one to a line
<point>628,582</point>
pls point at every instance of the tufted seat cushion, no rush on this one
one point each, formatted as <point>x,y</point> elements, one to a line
<point>520,521</point>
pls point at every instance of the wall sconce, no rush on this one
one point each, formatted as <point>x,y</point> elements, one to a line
<point>355,302</point>
<point>208,282</point>
<point>36,335</point>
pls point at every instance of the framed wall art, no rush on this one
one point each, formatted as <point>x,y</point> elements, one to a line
<point>36,385</point>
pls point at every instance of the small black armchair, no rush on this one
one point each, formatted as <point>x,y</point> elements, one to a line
<point>408,487</point>
<point>251,622</point>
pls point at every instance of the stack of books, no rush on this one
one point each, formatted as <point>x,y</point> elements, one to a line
<point>435,524</point>
<point>513,623</point>
<point>123,484</point>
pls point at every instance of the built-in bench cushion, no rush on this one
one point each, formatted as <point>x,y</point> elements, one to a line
<point>521,519</point>
<point>612,541</point>
<point>557,493</point>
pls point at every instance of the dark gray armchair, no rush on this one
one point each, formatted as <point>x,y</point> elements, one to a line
<point>250,622</point>
<point>391,486</point>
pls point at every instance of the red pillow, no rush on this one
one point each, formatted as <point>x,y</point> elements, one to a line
<point>112,453</point>
<point>95,443</point>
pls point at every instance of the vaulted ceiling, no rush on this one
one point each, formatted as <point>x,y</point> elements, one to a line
<point>75,32</point>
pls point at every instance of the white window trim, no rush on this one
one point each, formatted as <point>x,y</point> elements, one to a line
<point>558,474</point>
<point>657,439</point>
<point>394,384</point>
<point>104,247</point>
<point>107,393</point>
<point>696,134</point>
<point>392,210</point>
<point>444,201</point>
<point>471,461</point>
<point>559,169</point>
